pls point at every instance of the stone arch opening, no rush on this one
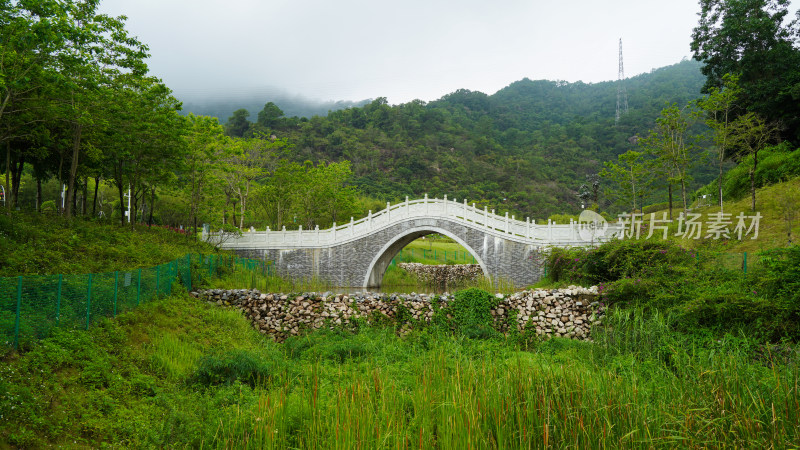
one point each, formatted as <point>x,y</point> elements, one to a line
<point>379,264</point>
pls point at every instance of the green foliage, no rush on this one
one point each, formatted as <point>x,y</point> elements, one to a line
<point>652,276</point>
<point>776,164</point>
<point>97,388</point>
<point>504,144</point>
<point>754,41</point>
<point>471,313</point>
<point>232,366</point>
<point>34,244</point>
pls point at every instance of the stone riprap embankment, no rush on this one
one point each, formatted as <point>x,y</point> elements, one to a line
<point>568,313</point>
<point>443,274</point>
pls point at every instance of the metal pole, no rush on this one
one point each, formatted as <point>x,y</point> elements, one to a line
<point>88,301</point>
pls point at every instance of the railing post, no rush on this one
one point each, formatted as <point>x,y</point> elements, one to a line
<point>485,217</point>
<point>465,209</point>
<point>388,212</point>
<point>527,227</point>
<point>316,231</point>
<point>88,301</point>
<point>508,229</point>
<point>18,313</point>
<point>116,284</point>
<point>550,230</point>
<point>334,232</point>
<point>369,220</point>
<point>494,220</point>
<point>426,203</point>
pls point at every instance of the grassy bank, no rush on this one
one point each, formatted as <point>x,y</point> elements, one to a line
<point>44,244</point>
<point>178,372</point>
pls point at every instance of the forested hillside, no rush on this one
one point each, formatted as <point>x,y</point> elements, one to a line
<point>526,149</point>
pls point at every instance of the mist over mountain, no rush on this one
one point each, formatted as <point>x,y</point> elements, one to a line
<point>222,105</point>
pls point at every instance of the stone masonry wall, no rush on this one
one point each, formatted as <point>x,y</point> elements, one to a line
<point>348,264</point>
<point>568,313</point>
<point>443,274</point>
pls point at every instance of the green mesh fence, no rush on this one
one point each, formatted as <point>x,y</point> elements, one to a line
<point>31,306</point>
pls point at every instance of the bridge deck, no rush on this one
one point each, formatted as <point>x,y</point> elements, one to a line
<point>528,232</point>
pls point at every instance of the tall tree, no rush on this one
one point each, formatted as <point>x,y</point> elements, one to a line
<point>205,145</point>
<point>752,39</point>
<point>751,133</point>
<point>672,148</point>
<point>630,177</point>
<point>238,125</point>
<point>269,117</point>
<point>720,109</point>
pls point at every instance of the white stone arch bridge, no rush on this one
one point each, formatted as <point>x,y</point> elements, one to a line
<point>358,253</point>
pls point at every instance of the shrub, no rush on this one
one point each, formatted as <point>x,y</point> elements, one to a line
<point>471,313</point>
<point>231,366</point>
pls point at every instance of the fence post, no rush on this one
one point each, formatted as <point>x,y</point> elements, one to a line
<point>19,310</point>
<point>116,284</point>
<point>58,298</point>
<point>88,301</point>
<point>189,272</point>
<point>744,263</point>
<point>139,288</point>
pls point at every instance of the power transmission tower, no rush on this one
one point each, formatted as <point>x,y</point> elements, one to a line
<point>622,95</point>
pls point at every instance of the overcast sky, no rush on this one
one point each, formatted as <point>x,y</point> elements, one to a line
<point>402,49</point>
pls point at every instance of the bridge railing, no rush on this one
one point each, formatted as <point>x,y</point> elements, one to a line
<point>545,234</point>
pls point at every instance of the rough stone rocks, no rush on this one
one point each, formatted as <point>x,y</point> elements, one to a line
<point>443,274</point>
<point>568,313</point>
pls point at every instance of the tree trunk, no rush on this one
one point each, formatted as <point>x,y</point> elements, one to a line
<point>121,191</point>
<point>670,200</point>
<point>243,202</point>
<point>73,170</point>
<point>38,194</point>
<point>633,191</point>
<point>8,172</point>
<point>683,194</point>
<point>74,203</point>
<point>59,199</point>
<point>753,179</point>
<point>152,204</point>
<point>16,178</point>
<point>85,195</point>
<point>94,199</point>
<point>719,185</point>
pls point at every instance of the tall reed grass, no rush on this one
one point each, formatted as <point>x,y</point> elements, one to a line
<point>460,394</point>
